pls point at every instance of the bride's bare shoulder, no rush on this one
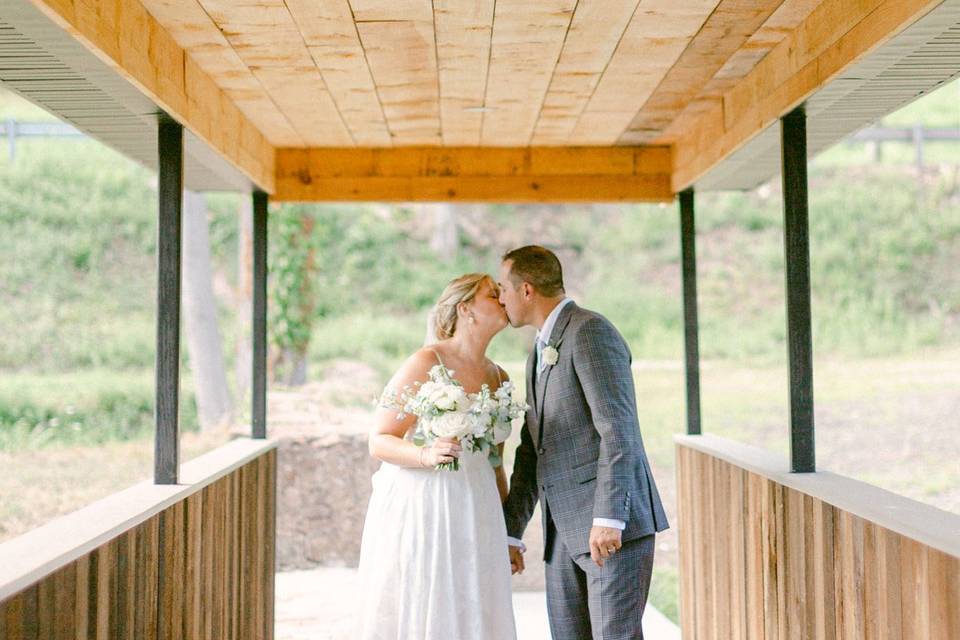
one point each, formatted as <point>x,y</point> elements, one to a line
<point>499,371</point>
<point>416,367</point>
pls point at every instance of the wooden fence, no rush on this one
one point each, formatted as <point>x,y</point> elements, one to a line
<point>155,562</point>
<point>765,554</point>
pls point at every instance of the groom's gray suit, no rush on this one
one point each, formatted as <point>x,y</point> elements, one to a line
<point>581,453</point>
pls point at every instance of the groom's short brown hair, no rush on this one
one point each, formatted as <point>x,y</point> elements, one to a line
<point>537,265</point>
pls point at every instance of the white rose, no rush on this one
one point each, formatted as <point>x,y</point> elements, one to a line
<point>444,401</point>
<point>550,355</point>
<point>452,424</point>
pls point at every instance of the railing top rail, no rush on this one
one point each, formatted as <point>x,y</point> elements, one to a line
<point>38,553</point>
<point>924,523</point>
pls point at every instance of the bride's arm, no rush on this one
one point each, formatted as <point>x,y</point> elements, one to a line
<point>502,487</point>
<point>386,441</point>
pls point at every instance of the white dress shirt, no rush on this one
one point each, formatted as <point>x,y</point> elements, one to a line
<point>542,340</point>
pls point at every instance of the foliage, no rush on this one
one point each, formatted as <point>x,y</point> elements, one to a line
<point>38,410</point>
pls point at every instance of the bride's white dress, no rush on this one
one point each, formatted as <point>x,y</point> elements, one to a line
<point>433,560</point>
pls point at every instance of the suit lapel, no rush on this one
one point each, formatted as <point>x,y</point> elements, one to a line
<point>556,337</point>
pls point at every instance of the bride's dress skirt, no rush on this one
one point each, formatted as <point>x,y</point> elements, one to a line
<point>433,560</point>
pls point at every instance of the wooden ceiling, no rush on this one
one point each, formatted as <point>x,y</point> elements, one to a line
<point>491,100</point>
<point>510,73</point>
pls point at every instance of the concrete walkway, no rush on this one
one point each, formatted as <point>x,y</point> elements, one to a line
<point>319,605</point>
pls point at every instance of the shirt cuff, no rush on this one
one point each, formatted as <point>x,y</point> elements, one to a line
<point>608,522</point>
<point>513,542</point>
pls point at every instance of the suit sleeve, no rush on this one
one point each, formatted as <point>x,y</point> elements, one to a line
<point>522,499</point>
<point>602,365</point>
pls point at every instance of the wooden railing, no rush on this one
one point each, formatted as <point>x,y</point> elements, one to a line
<point>154,562</point>
<point>766,554</point>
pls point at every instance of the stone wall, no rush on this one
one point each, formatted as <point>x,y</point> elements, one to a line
<point>323,491</point>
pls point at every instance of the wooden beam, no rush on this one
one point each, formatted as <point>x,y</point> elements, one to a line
<point>727,29</point>
<point>836,35</point>
<point>473,174</point>
<point>127,37</point>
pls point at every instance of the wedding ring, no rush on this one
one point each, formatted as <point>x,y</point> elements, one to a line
<point>611,549</point>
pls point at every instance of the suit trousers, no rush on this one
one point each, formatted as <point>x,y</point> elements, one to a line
<point>603,603</point>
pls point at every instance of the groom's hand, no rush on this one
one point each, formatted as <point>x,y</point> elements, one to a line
<point>604,542</point>
<point>516,559</point>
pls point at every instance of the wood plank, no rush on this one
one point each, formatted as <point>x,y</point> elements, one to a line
<point>267,478</point>
<point>46,609</point>
<point>726,30</point>
<point>824,571</point>
<point>528,36</point>
<point>779,25</point>
<point>117,33</point>
<point>472,174</point>
<point>834,36</point>
<point>83,602</point>
<point>595,31</point>
<point>913,590</point>
<point>398,40</point>
<point>193,29</point>
<point>333,42</point>
<point>753,541</point>
<point>654,40</point>
<point>193,578</point>
<point>267,39</point>
<point>463,35</point>
<point>687,551</point>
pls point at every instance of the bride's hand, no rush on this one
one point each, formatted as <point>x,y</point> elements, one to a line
<point>443,450</point>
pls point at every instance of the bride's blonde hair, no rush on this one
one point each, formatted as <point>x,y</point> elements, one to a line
<point>443,317</point>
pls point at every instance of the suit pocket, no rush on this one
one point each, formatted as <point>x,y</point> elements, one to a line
<point>585,473</point>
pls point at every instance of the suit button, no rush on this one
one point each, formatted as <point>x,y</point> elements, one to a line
<point>540,451</point>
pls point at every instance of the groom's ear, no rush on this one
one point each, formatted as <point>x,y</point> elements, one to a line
<point>527,290</point>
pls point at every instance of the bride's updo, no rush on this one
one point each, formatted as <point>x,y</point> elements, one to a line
<point>444,315</point>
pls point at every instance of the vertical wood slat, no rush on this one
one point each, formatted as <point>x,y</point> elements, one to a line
<point>763,561</point>
<point>203,569</point>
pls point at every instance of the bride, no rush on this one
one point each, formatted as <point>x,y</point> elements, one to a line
<point>433,559</point>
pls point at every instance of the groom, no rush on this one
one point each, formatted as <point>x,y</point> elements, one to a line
<point>581,454</point>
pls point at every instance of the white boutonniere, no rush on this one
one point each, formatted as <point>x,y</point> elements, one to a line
<point>550,355</point>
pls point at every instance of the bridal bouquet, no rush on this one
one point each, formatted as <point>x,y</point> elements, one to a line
<point>481,421</point>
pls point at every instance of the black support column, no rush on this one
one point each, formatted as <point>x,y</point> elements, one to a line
<point>691,341</point>
<point>259,374</point>
<point>169,231</point>
<point>797,253</point>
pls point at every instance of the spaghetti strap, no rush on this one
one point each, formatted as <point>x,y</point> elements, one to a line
<point>437,353</point>
<point>499,377</point>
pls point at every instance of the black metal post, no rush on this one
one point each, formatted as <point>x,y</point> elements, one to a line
<point>169,231</point>
<point>259,374</point>
<point>691,329</point>
<point>797,253</point>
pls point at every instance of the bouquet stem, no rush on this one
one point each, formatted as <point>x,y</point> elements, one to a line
<point>449,466</point>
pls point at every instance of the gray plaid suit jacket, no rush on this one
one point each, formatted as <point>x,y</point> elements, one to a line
<point>580,448</point>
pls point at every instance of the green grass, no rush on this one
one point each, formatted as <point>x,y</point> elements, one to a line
<point>82,408</point>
